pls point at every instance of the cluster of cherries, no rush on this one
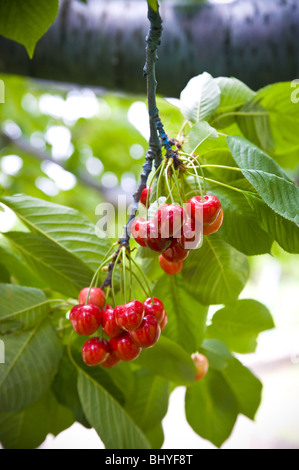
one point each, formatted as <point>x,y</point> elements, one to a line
<point>173,231</point>
<point>130,327</point>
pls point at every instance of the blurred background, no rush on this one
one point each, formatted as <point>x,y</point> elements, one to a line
<point>80,147</point>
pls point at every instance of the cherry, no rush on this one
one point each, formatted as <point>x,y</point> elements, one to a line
<point>154,240</point>
<point>155,308</point>
<point>124,347</point>
<point>215,226</point>
<point>111,361</point>
<point>169,219</point>
<point>143,196</point>
<point>209,208</point>
<point>139,231</point>
<point>191,235</point>
<point>176,251</point>
<point>164,322</point>
<point>95,351</point>
<point>85,319</point>
<point>148,333</point>
<point>129,316</point>
<point>170,267</point>
<point>97,296</point>
<point>110,326</point>
<point>201,364</point>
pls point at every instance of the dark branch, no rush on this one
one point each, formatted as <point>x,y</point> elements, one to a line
<point>101,43</point>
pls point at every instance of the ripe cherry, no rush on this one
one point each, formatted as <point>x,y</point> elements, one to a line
<point>129,316</point>
<point>143,196</point>
<point>176,251</point>
<point>155,308</point>
<point>139,231</point>
<point>154,240</point>
<point>85,319</point>
<point>111,361</point>
<point>201,364</point>
<point>148,333</point>
<point>96,297</point>
<point>215,226</point>
<point>191,235</point>
<point>124,347</point>
<point>95,351</point>
<point>169,267</point>
<point>164,322</point>
<point>110,326</point>
<point>169,219</point>
<point>208,208</point>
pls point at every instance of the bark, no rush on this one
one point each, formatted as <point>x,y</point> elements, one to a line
<point>102,44</point>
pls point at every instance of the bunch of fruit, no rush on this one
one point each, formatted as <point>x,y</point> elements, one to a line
<point>174,231</point>
<point>129,327</point>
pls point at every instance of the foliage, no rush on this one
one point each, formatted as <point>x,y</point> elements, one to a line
<point>52,252</point>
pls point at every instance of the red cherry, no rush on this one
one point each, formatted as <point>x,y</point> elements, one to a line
<point>148,333</point>
<point>129,316</point>
<point>176,251</point>
<point>124,347</point>
<point>111,361</point>
<point>169,267</point>
<point>85,319</point>
<point>110,326</point>
<point>215,226</point>
<point>207,209</point>
<point>201,364</point>
<point>143,196</point>
<point>97,296</point>
<point>156,309</point>
<point>191,235</point>
<point>164,322</point>
<point>154,240</point>
<point>95,351</point>
<point>139,231</point>
<point>169,219</point>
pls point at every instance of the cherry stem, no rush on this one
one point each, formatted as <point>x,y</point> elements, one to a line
<point>142,274</point>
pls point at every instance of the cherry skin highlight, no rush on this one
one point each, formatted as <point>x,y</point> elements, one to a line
<point>110,326</point>
<point>156,309</point>
<point>95,351</point>
<point>169,267</point>
<point>148,333</point>
<point>97,296</point>
<point>129,316</point>
<point>85,319</point>
<point>124,347</point>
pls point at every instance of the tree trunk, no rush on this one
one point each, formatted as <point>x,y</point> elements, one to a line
<point>102,44</point>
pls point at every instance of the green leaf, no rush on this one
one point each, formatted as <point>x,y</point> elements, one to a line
<point>267,178</point>
<point>114,426</point>
<point>148,401</point>
<point>216,352</point>
<point>65,227</point>
<point>62,271</point>
<point>21,307</point>
<point>28,428</point>
<point>169,360</point>
<point>285,232</point>
<point>239,325</point>
<point>199,133</point>
<point>211,408</point>
<point>253,121</point>
<point>282,119</point>
<point>27,21</point>
<point>64,387</point>
<point>31,362</point>
<point>245,386</point>
<point>200,98</point>
<point>186,316</point>
<point>156,436</point>
<point>215,273</point>
<point>241,227</point>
